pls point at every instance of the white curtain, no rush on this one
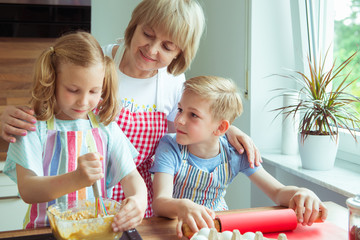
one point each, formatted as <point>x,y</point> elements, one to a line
<point>313,30</point>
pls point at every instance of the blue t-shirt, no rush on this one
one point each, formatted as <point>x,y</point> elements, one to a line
<point>168,158</point>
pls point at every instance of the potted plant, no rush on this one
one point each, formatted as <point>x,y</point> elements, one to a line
<point>324,108</point>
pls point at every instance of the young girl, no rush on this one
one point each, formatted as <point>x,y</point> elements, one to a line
<point>71,147</point>
<point>194,167</point>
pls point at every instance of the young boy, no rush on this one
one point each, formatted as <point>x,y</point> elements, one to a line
<point>194,167</point>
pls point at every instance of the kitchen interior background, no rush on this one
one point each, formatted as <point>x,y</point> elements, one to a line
<point>229,48</point>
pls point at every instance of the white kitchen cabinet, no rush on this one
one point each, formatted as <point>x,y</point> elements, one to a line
<point>12,207</point>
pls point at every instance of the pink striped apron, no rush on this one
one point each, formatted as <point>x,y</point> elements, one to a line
<point>202,187</point>
<point>60,155</point>
<point>144,130</point>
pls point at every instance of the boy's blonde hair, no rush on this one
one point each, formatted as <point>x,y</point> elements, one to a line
<point>182,20</point>
<point>224,99</point>
<point>81,49</point>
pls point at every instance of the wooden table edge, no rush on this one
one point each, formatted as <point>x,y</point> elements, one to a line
<point>166,227</point>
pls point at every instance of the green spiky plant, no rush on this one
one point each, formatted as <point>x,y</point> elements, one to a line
<point>324,109</point>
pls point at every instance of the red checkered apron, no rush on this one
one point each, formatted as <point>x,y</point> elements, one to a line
<point>144,130</point>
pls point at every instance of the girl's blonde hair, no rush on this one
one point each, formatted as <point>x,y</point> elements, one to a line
<point>224,99</point>
<point>182,20</point>
<point>81,49</point>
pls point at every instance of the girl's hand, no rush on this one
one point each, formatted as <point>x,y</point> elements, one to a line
<point>307,206</point>
<point>89,168</point>
<point>194,215</point>
<point>130,215</point>
<point>16,121</point>
<point>240,141</point>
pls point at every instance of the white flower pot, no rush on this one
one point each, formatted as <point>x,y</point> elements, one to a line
<point>318,152</point>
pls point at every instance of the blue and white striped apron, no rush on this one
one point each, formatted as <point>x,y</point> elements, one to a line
<point>202,187</point>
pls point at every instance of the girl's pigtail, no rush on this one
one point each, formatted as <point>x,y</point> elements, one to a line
<point>43,91</point>
<point>109,104</point>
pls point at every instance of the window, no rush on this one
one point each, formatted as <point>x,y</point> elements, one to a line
<point>346,42</point>
<point>347,39</point>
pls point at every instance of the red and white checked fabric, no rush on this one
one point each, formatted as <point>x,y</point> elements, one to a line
<point>144,130</point>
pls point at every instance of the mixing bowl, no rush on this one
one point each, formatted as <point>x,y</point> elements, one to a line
<point>77,221</point>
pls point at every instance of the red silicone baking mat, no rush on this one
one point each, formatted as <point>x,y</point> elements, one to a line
<point>317,231</point>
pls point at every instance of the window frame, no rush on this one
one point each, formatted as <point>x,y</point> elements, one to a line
<point>320,35</point>
<point>349,148</point>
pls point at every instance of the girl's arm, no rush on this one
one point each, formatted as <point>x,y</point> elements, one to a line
<point>134,205</point>
<point>37,189</point>
<point>240,141</point>
<point>304,201</point>
<point>195,215</point>
<point>16,121</point>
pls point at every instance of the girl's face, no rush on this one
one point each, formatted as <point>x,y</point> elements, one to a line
<point>150,50</point>
<point>78,90</point>
<point>194,122</point>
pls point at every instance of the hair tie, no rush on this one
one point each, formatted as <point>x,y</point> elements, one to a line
<point>52,50</point>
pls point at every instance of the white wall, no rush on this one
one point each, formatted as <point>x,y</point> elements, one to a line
<point>271,52</point>
<point>222,48</point>
<point>109,19</point>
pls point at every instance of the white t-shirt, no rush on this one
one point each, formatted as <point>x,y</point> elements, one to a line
<point>141,94</point>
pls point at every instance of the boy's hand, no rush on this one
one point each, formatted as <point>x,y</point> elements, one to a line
<point>89,168</point>
<point>307,206</point>
<point>130,215</point>
<point>195,216</point>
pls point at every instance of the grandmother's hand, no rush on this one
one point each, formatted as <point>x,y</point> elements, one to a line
<point>16,121</point>
<point>242,142</point>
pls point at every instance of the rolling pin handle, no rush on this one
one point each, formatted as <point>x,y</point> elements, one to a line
<point>188,233</point>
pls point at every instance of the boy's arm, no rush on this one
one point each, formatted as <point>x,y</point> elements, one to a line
<point>163,203</point>
<point>37,189</point>
<point>304,201</point>
<point>195,215</point>
<point>133,207</point>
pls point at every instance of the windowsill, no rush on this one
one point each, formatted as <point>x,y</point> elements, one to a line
<point>343,179</point>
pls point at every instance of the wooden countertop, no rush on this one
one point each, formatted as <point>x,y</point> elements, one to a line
<point>158,228</point>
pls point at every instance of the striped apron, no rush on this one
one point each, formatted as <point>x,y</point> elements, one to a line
<point>144,130</point>
<point>202,187</point>
<point>60,155</point>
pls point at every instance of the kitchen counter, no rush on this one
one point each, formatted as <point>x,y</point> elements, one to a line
<point>158,228</point>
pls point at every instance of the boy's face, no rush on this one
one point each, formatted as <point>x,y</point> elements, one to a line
<point>194,122</point>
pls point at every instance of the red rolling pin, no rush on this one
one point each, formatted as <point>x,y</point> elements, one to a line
<point>278,220</point>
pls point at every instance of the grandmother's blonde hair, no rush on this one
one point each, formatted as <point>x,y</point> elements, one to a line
<point>224,98</point>
<point>182,20</point>
<point>81,49</point>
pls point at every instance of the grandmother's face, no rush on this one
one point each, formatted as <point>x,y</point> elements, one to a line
<point>151,49</point>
